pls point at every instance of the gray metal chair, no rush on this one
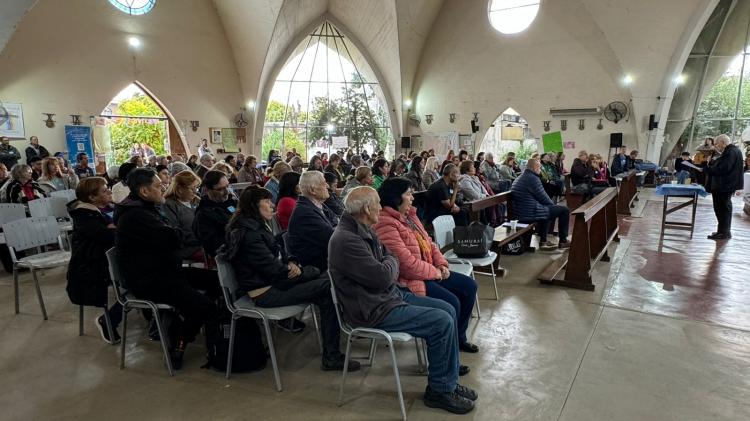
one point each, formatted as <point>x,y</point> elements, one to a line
<point>245,307</point>
<point>69,194</point>
<point>374,335</point>
<point>129,302</point>
<point>10,212</point>
<point>34,233</point>
<point>49,206</point>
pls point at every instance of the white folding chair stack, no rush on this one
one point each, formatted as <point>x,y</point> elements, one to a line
<point>31,234</point>
<point>69,194</point>
<point>10,212</point>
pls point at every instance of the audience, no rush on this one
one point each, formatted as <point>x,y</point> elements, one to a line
<point>250,173</point>
<point>430,174</point>
<point>180,203</point>
<point>365,275</point>
<point>193,162</point>
<point>508,169</point>
<point>287,199</point>
<point>163,172</point>
<point>226,169</point>
<point>88,270</point>
<point>35,150</point>
<point>334,166</point>
<point>380,169</point>
<point>398,168</point>
<point>362,177</point>
<point>682,171</point>
<point>82,168</point>
<point>296,164</point>
<point>316,164</point>
<point>531,204</point>
<point>492,173</point>
<point>415,174</point>
<point>121,190</point>
<point>206,162</point>
<point>22,188</point>
<point>36,167</point>
<point>469,183</point>
<point>213,212</point>
<point>9,155</point>
<point>334,202</point>
<point>272,185</point>
<point>272,278</point>
<point>551,180</point>
<point>312,222</point>
<point>53,179</point>
<point>443,198</point>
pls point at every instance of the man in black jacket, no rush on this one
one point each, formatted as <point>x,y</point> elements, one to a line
<point>726,178</point>
<point>146,249</point>
<point>311,224</point>
<point>213,212</point>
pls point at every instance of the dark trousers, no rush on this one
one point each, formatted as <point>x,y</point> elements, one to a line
<point>723,211</point>
<point>318,292</point>
<point>460,292</point>
<point>562,214</point>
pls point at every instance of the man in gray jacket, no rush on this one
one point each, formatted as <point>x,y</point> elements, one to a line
<point>365,275</point>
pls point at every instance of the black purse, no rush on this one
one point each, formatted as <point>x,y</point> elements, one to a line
<point>473,240</point>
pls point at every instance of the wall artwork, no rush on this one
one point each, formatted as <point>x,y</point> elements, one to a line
<point>11,120</point>
<point>552,142</point>
<point>569,145</point>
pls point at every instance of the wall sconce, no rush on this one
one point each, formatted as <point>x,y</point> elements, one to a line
<point>49,122</point>
<point>476,117</point>
<point>546,125</point>
<point>428,118</point>
<point>452,117</point>
<point>581,124</point>
<point>563,125</point>
<point>76,119</point>
<point>194,124</point>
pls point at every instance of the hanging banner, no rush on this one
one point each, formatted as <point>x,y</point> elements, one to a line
<point>340,142</point>
<point>78,139</point>
<point>229,140</point>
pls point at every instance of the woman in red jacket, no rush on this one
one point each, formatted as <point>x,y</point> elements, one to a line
<point>422,267</point>
<point>288,193</point>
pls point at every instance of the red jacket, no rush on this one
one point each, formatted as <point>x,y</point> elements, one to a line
<point>396,234</point>
<point>284,211</point>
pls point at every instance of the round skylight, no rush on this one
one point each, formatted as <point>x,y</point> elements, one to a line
<point>512,16</point>
<point>134,7</point>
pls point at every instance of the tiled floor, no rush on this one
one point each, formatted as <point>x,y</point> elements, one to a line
<point>665,336</point>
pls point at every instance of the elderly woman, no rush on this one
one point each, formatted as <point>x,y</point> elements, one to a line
<point>471,187</point>
<point>93,234</point>
<point>180,203</point>
<point>279,169</point>
<point>271,278</point>
<point>249,173</point>
<point>53,179</point>
<point>422,267</point>
<point>226,169</point>
<point>415,174</point>
<point>22,188</point>
<point>362,177</point>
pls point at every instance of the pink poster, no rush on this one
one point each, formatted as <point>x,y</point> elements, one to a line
<point>569,145</point>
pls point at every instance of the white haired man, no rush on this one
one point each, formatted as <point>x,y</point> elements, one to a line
<point>725,173</point>
<point>312,222</point>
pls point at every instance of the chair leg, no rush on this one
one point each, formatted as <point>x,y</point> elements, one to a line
<point>15,287</point>
<point>419,355</point>
<point>163,339</point>
<point>230,354</point>
<point>110,329</point>
<point>39,293</point>
<point>373,349</point>
<point>124,336</point>
<point>272,351</point>
<point>346,367</point>
<point>398,379</point>
<point>80,321</point>
<point>476,305</point>
<point>494,281</point>
<point>317,327</point>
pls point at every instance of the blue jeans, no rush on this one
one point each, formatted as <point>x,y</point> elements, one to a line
<point>460,292</point>
<point>432,320</point>
<point>562,214</point>
<point>682,175</point>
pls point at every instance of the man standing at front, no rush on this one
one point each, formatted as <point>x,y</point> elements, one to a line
<point>726,178</point>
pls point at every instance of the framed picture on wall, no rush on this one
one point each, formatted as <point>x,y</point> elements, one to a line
<point>11,120</point>
<point>215,135</point>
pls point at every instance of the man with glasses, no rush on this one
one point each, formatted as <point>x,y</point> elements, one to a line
<point>212,215</point>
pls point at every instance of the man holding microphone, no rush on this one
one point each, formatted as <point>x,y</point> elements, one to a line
<point>726,178</point>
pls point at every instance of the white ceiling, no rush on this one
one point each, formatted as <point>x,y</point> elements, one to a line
<point>11,12</point>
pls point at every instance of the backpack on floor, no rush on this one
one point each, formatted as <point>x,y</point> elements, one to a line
<point>249,352</point>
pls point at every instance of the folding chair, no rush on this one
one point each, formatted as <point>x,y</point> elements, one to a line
<point>69,195</point>
<point>374,335</point>
<point>49,206</point>
<point>245,307</point>
<point>10,212</point>
<point>34,233</point>
<point>128,303</point>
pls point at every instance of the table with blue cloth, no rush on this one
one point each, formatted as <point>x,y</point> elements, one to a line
<point>679,190</point>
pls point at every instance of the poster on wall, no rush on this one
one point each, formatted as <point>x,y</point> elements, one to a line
<point>569,145</point>
<point>552,142</point>
<point>11,120</point>
<point>340,142</point>
<point>441,142</point>
<point>229,140</point>
<point>78,139</point>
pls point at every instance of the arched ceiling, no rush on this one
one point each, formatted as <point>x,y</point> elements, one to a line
<point>11,13</point>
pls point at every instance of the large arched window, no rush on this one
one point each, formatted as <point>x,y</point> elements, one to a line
<point>509,133</point>
<point>512,16</point>
<point>134,7</point>
<point>326,98</point>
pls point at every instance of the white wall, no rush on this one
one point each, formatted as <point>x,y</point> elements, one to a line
<point>72,57</point>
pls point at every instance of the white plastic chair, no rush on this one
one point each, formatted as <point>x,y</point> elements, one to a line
<point>69,194</point>
<point>443,226</point>
<point>49,206</point>
<point>129,302</point>
<point>245,307</point>
<point>10,212</point>
<point>34,233</point>
<point>374,335</point>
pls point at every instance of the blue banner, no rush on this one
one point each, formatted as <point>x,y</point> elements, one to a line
<point>78,139</point>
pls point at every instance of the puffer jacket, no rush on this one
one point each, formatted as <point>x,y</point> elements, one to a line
<point>530,202</point>
<point>88,270</point>
<point>396,234</point>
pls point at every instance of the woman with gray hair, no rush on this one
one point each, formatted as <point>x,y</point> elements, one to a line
<point>22,188</point>
<point>178,167</point>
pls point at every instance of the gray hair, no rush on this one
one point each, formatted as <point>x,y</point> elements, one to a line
<point>112,171</point>
<point>723,138</point>
<point>359,197</point>
<point>489,155</point>
<point>208,158</point>
<point>308,180</point>
<point>178,167</point>
<point>531,162</point>
<point>17,170</point>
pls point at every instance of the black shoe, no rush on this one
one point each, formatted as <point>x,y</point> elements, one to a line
<point>719,236</point>
<point>153,331</point>
<point>101,326</point>
<point>468,347</point>
<point>463,370</point>
<point>451,401</point>
<point>466,392</point>
<point>337,364</point>
<point>563,245</point>
<point>176,354</point>
<point>291,325</point>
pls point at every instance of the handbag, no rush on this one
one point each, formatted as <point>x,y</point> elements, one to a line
<point>473,240</point>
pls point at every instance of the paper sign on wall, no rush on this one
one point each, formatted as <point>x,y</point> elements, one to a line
<point>569,145</point>
<point>552,142</point>
<point>340,142</point>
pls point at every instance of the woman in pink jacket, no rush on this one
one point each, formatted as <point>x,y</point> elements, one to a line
<point>422,267</point>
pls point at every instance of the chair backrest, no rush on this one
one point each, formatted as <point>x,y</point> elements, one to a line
<point>227,280</point>
<point>443,226</point>
<point>49,206</point>
<point>114,273</point>
<point>27,233</point>
<point>11,212</point>
<point>275,226</point>
<point>336,305</point>
<point>68,195</point>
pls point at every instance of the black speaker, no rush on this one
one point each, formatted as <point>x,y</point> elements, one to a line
<point>615,140</point>
<point>405,142</point>
<point>652,123</point>
<point>474,126</point>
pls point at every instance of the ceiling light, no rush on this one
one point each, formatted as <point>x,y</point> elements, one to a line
<point>407,103</point>
<point>627,80</point>
<point>251,105</point>
<point>330,127</point>
<point>679,79</point>
<point>134,42</point>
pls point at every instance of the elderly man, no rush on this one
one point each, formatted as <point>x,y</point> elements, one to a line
<point>531,204</point>
<point>726,178</point>
<point>365,273</point>
<point>619,162</point>
<point>491,173</point>
<point>362,177</point>
<point>311,224</point>
<point>207,161</point>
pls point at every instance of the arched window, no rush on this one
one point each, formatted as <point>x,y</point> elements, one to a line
<point>326,98</point>
<point>134,7</point>
<point>512,16</point>
<point>509,133</point>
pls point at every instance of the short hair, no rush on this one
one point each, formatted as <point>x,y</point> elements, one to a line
<point>212,178</point>
<point>160,167</point>
<point>17,170</point>
<point>355,160</point>
<point>223,167</point>
<point>295,162</point>
<point>124,170</point>
<point>362,172</point>
<point>140,177</point>
<point>391,190</point>
<point>686,153</point>
<point>489,155</point>
<point>178,167</point>
<point>723,138</point>
<point>80,156</point>
<point>88,187</point>
<point>583,152</point>
<point>308,180</point>
<point>465,166</point>
<point>280,168</point>
<point>288,185</point>
<point>358,198</point>
<point>330,177</point>
<point>531,162</point>
<point>112,171</point>
<point>447,169</point>
<point>206,158</point>
<point>228,158</point>
<point>334,157</point>
<point>181,183</point>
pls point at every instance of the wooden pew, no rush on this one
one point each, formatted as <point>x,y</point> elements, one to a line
<point>572,199</point>
<point>594,227</point>
<point>627,192</point>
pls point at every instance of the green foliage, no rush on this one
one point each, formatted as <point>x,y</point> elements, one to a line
<point>526,149</point>
<point>125,133</point>
<point>272,140</point>
<point>275,112</point>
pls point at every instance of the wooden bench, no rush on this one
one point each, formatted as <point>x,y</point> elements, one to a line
<point>594,228</point>
<point>572,199</point>
<point>627,191</point>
